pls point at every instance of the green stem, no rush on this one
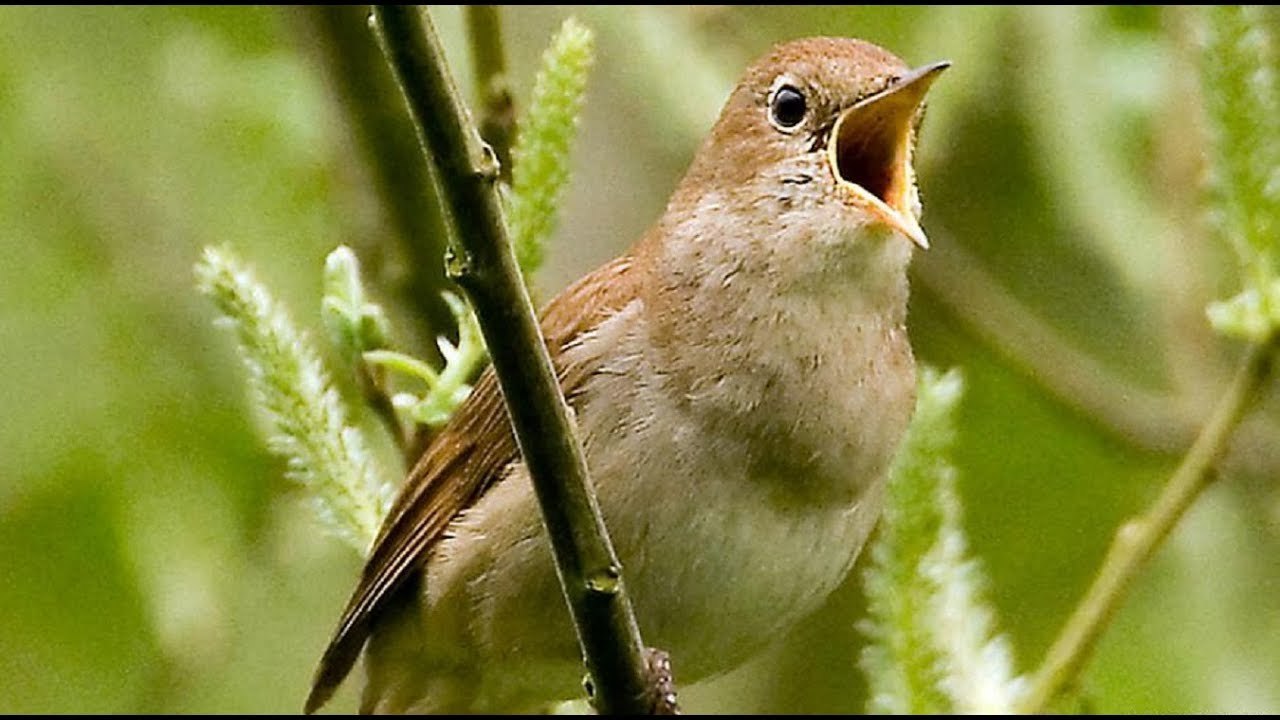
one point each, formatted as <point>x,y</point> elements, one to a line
<point>489,58</point>
<point>373,387</point>
<point>484,266</point>
<point>406,364</point>
<point>1137,540</point>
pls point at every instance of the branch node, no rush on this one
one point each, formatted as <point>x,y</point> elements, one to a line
<point>489,168</point>
<point>606,581</point>
<point>1128,534</point>
<point>458,264</point>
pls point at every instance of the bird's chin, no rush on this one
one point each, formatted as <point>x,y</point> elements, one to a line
<point>870,210</point>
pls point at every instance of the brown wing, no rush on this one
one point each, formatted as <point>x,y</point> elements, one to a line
<point>458,467</point>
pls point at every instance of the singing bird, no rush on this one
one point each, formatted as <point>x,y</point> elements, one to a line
<point>740,379</point>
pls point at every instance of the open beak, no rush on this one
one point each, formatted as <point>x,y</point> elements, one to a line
<point>870,150</point>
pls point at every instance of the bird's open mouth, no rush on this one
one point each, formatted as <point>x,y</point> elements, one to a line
<point>870,149</point>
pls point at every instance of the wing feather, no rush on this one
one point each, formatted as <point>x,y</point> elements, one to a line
<point>463,462</point>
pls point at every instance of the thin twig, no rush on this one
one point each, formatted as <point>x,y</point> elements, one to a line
<point>373,386</point>
<point>1137,540</point>
<point>489,60</point>
<point>484,266</point>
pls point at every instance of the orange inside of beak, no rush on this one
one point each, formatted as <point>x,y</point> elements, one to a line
<point>870,149</point>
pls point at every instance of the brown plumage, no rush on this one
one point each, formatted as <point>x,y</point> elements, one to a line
<point>459,465</point>
<point>740,379</point>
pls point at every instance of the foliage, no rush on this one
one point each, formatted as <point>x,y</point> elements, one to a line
<point>355,325</point>
<point>447,388</point>
<point>1237,67</point>
<point>932,650</point>
<point>540,169</point>
<point>327,457</point>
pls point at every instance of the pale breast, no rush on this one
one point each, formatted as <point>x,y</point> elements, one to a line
<point>724,539</point>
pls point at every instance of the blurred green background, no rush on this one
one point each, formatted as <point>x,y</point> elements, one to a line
<point>152,558</point>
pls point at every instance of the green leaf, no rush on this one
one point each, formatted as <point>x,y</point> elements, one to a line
<point>447,389</point>
<point>931,648</point>
<point>1250,315</point>
<point>355,326</point>
<point>540,157</point>
<point>307,419</point>
<point>1243,117</point>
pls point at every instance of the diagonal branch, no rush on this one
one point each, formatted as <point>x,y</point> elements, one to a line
<point>484,265</point>
<point>1137,540</point>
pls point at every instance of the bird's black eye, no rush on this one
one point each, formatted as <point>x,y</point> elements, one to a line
<point>787,107</point>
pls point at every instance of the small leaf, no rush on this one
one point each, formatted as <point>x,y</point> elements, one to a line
<point>375,328</point>
<point>1251,315</point>
<point>326,457</point>
<point>354,325</point>
<point>448,388</point>
<point>540,158</point>
<point>342,277</point>
<point>404,364</point>
<point>1243,117</point>
<point>932,649</point>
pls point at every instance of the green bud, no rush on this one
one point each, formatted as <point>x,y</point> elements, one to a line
<point>1252,315</point>
<point>354,326</point>
<point>342,277</point>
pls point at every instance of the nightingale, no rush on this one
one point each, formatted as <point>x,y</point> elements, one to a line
<point>740,380</point>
